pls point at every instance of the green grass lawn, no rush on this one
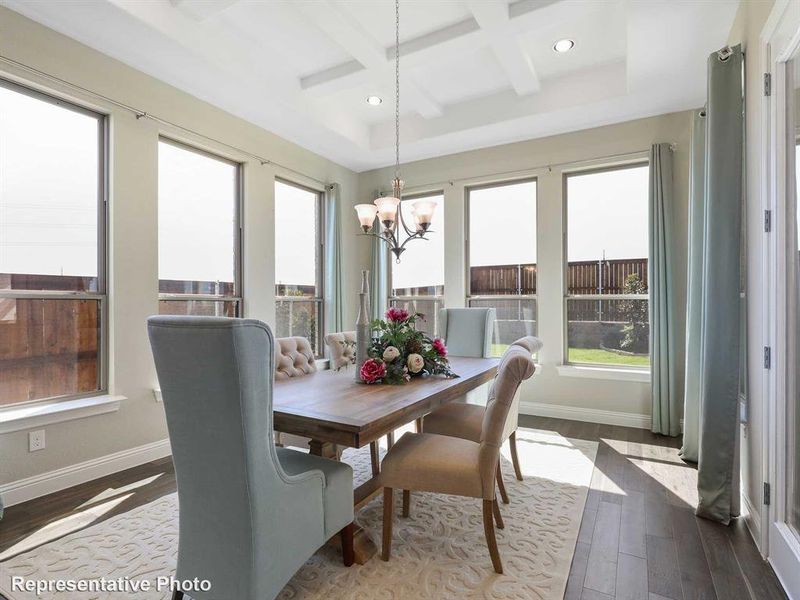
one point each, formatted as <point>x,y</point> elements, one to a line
<point>591,356</point>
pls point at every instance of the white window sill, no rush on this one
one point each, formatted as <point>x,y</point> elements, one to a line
<point>30,416</point>
<point>599,372</point>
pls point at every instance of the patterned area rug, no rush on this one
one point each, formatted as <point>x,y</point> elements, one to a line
<point>439,552</point>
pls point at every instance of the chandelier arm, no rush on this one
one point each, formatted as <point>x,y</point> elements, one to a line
<point>408,231</point>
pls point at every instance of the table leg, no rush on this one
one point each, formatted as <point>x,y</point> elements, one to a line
<point>363,546</point>
<point>323,449</point>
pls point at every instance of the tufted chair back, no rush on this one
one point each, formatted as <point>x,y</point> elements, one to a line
<point>515,367</point>
<point>342,354</point>
<point>293,358</point>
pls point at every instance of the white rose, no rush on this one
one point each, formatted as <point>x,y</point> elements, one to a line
<point>390,354</point>
<point>415,363</point>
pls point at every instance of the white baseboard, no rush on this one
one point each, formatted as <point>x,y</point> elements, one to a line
<point>61,479</point>
<point>589,415</point>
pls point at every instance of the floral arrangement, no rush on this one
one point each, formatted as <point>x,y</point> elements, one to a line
<point>399,352</point>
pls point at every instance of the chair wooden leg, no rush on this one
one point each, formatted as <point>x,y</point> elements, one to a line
<point>406,503</point>
<point>375,458</point>
<point>388,508</point>
<point>348,554</point>
<point>514,458</point>
<point>488,530</point>
<point>177,595</point>
<point>501,485</point>
<point>497,516</point>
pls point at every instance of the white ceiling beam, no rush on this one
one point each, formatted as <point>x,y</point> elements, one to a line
<point>354,39</point>
<point>494,19</point>
<point>200,10</point>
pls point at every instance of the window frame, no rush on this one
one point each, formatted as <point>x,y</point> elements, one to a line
<point>238,242</point>
<point>467,248</point>
<point>319,298</point>
<point>101,295</point>
<point>402,300</point>
<point>566,297</point>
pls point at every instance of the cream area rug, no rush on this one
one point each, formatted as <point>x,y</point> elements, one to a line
<point>439,552</point>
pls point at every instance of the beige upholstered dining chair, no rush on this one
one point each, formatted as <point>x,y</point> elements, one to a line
<point>464,420</point>
<point>342,348</point>
<point>428,462</point>
<point>294,357</point>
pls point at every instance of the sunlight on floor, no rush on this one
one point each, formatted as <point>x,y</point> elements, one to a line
<point>544,452</point>
<point>62,527</point>
<point>112,492</point>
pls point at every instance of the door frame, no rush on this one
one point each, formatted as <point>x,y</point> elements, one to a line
<point>780,40</point>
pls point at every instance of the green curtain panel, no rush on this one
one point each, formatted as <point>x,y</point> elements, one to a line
<point>379,275</point>
<point>663,353</point>
<point>694,289</point>
<point>717,459</point>
<point>334,307</point>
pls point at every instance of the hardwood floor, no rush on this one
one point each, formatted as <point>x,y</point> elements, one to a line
<point>639,538</point>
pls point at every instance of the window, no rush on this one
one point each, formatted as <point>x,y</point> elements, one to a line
<point>52,248</point>
<point>418,279</point>
<point>198,233</point>
<point>298,263</point>
<point>501,257</point>
<point>607,302</point>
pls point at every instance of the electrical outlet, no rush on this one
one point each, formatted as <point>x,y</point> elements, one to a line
<point>36,440</point>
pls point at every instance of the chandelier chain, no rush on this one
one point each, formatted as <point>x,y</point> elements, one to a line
<point>397,88</point>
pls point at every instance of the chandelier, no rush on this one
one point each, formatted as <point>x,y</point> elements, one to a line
<point>387,208</point>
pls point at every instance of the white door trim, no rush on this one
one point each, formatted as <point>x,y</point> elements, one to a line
<point>780,40</point>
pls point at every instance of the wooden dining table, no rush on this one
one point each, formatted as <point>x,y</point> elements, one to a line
<point>335,411</point>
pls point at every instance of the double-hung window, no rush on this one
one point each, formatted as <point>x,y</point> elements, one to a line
<point>199,232</point>
<point>607,251</point>
<point>52,248</point>
<point>298,262</point>
<point>418,279</point>
<point>501,257</point>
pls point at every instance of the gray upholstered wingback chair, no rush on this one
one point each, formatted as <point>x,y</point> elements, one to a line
<point>467,331</point>
<point>464,420</point>
<point>250,513</point>
<point>428,462</point>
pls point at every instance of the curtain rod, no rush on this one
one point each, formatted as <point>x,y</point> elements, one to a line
<point>526,171</point>
<point>141,114</point>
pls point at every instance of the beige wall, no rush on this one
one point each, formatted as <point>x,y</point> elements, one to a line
<point>454,172</point>
<point>747,26</point>
<point>133,285</point>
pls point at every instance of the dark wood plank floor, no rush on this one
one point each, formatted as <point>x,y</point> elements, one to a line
<point>639,538</point>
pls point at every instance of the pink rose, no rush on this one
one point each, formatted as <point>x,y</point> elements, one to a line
<point>397,314</point>
<point>415,363</point>
<point>372,371</point>
<point>438,345</point>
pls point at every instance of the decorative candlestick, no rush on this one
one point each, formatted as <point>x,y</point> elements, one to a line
<point>363,321</point>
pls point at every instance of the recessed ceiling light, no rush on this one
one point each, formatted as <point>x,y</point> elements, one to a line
<point>374,100</point>
<point>564,45</point>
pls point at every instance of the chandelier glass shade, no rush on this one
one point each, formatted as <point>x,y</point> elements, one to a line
<point>387,209</point>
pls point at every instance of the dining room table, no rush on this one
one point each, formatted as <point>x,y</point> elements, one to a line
<point>335,411</point>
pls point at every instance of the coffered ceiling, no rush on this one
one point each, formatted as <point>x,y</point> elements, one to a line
<point>474,73</point>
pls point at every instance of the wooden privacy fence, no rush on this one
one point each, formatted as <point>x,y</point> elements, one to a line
<point>583,277</point>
